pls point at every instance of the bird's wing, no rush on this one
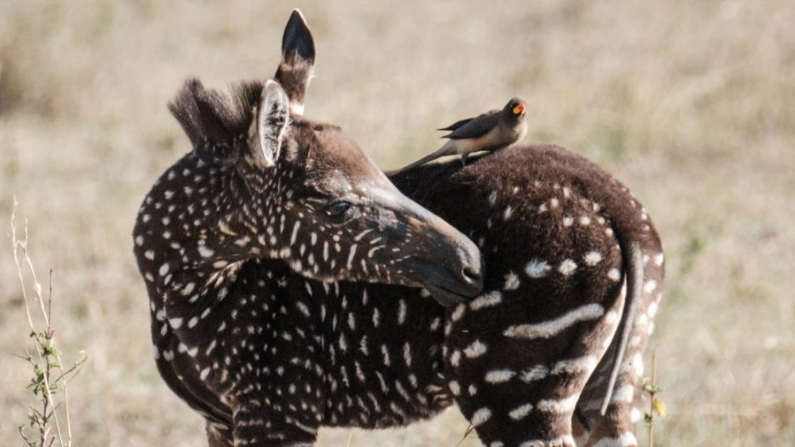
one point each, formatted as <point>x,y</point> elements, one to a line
<point>476,127</point>
<point>456,124</point>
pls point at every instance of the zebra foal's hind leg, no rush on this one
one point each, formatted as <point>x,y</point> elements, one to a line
<point>615,428</point>
<point>519,383</point>
<point>519,356</point>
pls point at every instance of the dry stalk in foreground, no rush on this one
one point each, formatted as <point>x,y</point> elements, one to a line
<point>468,433</point>
<point>50,378</point>
<point>656,404</point>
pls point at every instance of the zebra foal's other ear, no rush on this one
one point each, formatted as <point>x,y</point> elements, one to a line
<point>272,119</point>
<point>298,59</point>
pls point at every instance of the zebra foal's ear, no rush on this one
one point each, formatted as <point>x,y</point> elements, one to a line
<point>208,120</point>
<point>298,59</point>
<point>272,119</point>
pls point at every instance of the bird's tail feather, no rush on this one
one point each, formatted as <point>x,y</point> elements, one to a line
<point>442,151</point>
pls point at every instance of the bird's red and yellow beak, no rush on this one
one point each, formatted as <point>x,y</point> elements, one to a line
<point>520,109</point>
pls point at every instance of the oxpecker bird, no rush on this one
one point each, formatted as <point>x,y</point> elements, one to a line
<point>490,131</point>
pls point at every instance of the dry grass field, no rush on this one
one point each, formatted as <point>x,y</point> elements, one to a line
<point>690,103</point>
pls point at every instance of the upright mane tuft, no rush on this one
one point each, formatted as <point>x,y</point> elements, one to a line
<point>210,116</point>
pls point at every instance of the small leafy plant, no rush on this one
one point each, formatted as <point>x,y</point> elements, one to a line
<point>48,419</point>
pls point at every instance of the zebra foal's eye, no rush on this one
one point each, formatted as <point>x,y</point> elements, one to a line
<point>339,210</point>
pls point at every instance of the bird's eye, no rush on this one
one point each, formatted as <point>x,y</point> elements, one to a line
<point>339,210</point>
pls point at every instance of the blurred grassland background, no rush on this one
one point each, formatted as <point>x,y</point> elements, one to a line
<point>690,103</point>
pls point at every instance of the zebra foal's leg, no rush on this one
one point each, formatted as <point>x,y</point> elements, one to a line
<point>519,356</point>
<point>615,428</point>
<point>257,426</point>
<point>517,382</point>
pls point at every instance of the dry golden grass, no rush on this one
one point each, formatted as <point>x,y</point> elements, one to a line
<point>692,104</point>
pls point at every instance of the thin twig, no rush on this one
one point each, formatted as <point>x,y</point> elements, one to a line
<point>76,368</point>
<point>15,243</point>
<point>49,295</point>
<point>470,429</point>
<point>653,392</point>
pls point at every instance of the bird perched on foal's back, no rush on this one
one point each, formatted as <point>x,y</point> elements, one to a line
<point>490,131</point>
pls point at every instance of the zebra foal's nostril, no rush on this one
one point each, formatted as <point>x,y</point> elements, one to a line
<point>472,271</point>
<point>472,274</point>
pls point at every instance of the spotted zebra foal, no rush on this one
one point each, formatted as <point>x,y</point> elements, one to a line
<point>283,271</point>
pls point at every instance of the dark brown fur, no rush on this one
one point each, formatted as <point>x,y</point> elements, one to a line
<point>268,340</point>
